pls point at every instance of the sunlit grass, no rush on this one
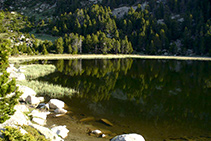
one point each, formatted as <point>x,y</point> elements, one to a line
<point>47,89</point>
<point>32,72</point>
<point>37,70</point>
<point>108,56</point>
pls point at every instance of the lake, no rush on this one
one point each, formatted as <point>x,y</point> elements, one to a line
<point>159,99</point>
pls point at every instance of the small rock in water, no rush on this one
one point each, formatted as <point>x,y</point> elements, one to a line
<point>103,135</point>
<point>105,121</point>
<point>97,132</point>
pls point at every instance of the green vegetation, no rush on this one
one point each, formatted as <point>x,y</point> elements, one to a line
<point>14,134</point>
<point>48,89</point>
<point>37,70</point>
<point>152,27</point>
<point>34,72</point>
<point>7,86</point>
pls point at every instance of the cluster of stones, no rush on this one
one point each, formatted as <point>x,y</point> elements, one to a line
<point>34,107</point>
<point>39,113</point>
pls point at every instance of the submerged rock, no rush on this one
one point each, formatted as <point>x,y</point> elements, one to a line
<point>87,119</point>
<point>105,121</point>
<point>129,137</point>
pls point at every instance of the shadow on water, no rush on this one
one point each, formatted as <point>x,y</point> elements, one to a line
<point>160,99</point>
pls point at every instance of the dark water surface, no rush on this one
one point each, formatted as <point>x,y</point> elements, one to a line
<point>159,99</point>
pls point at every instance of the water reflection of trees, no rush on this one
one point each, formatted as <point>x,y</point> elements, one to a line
<point>94,79</point>
<point>177,90</point>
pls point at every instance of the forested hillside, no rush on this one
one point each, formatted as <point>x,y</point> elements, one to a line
<point>159,27</point>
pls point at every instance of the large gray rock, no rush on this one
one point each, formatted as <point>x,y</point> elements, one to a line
<point>129,137</point>
<point>61,131</point>
<point>56,104</point>
<point>47,133</point>
<point>26,92</point>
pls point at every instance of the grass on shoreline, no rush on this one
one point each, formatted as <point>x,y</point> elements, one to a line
<point>47,89</point>
<point>101,56</point>
<point>32,72</point>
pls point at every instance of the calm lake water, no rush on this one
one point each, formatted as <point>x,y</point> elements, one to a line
<point>159,99</point>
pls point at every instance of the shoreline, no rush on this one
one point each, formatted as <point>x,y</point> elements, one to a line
<point>101,56</point>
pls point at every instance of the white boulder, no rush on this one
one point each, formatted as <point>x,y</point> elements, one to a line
<point>26,92</point>
<point>39,121</point>
<point>20,76</point>
<point>39,114</point>
<point>60,111</point>
<point>33,100</point>
<point>61,131</point>
<point>11,68</point>
<point>15,73</point>
<point>129,137</point>
<point>42,99</point>
<point>55,103</point>
<point>47,133</point>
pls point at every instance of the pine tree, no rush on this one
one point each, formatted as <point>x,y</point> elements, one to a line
<point>55,31</point>
<point>44,50</point>
<point>59,45</point>
<point>117,46</point>
<point>7,86</point>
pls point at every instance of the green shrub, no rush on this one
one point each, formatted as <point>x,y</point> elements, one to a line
<point>7,86</point>
<point>14,134</point>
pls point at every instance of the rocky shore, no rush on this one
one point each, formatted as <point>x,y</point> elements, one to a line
<point>33,111</point>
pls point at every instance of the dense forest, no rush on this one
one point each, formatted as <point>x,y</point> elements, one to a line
<point>158,27</point>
